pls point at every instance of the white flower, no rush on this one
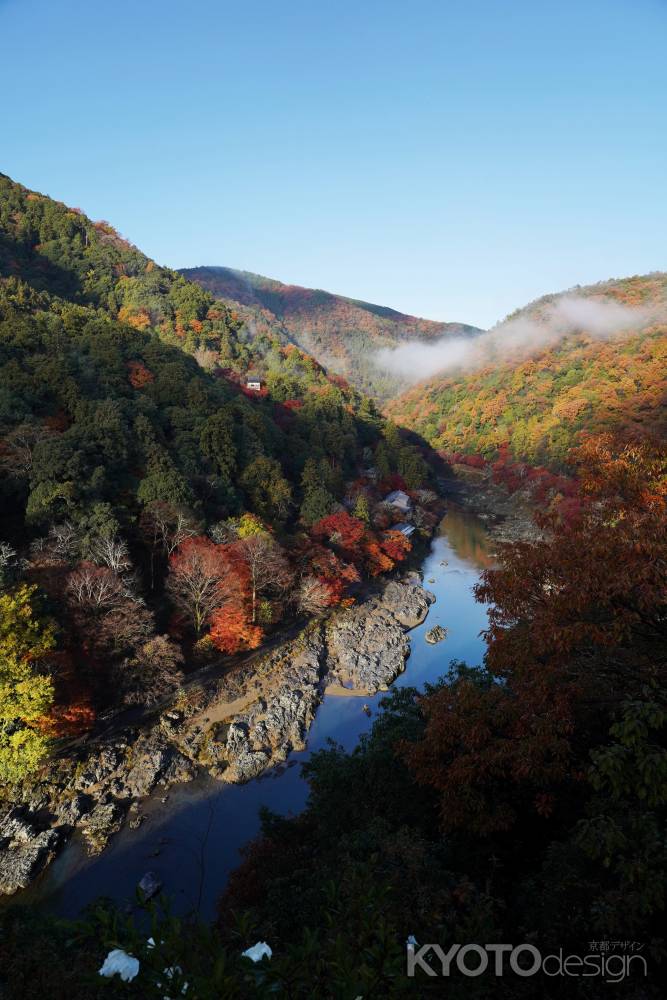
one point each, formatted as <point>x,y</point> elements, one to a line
<point>258,951</point>
<point>118,961</point>
<point>175,970</point>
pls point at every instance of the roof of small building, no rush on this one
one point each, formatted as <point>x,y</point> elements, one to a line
<point>397,496</point>
<point>405,529</point>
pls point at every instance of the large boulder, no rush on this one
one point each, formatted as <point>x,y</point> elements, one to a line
<point>101,823</point>
<point>149,885</point>
<point>436,634</point>
<point>144,774</point>
<point>244,762</point>
<point>367,648</point>
<point>408,602</point>
<point>247,764</point>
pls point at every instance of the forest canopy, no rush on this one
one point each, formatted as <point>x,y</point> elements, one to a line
<point>153,504</point>
<point>539,406</point>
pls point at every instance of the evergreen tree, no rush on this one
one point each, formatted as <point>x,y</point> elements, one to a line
<point>267,489</point>
<point>217,443</point>
<point>317,503</point>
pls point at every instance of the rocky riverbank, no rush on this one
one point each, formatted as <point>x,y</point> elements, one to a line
<point>234,726</point>
<point>508,517</point>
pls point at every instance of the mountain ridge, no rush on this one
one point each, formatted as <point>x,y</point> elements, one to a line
<point>539,402</point>
<point>341,332</point>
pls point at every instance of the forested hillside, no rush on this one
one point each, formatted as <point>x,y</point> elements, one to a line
<point>540,402</point>
<point>154,508</point>
<point>341,333</point>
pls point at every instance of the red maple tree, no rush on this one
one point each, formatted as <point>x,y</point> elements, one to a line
<point>575,621</point>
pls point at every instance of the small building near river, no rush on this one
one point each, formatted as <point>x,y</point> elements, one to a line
<point>400,500</point>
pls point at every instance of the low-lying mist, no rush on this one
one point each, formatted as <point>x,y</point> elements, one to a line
<point>515,338</point>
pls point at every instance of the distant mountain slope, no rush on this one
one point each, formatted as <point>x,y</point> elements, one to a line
<point>341,333</point>
<point>123,382</point>
<point>581,379</point>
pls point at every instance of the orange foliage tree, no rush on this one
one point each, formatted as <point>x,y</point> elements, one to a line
<point>576,625</point>
<point>138,318</point>
<point>231,629</point>
<point>139,374</point>
<point>219,585</point>
<point>357,544</point>
<point>72,713</point>
<point>342,531</point>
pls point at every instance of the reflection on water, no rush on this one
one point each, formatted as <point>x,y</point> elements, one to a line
<point>194,839</point>
<point>467,536</point>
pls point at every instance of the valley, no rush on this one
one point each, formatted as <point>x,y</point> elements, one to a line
<point>166,829</point>
<point>223,549</point>
<point>333,501</point>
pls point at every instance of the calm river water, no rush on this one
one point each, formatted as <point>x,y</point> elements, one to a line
<point>193,840</point>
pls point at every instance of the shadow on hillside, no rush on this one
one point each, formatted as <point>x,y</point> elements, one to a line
<point>19,260</point>
<point>439,465</point>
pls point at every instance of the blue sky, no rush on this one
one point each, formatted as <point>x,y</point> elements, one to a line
<point>452,159</point>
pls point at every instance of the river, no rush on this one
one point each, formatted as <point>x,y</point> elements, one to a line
<point>193,840</point>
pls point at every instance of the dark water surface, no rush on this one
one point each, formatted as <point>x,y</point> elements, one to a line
<point>193,840</point>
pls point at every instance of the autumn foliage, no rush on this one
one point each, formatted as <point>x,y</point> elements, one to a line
<point>216,587</point>
<point>231,630</point>
<point>202,580</point>
<point>139,374</point>
<point>544,404</point>
<point>68,720</point>
<point>159,512</point>
<point>359,546</point>
<point>576,623</point>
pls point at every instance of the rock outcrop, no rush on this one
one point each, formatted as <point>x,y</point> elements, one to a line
<point>436,634</point>
<point>507,517</point>
<point>407,601</point>
<point>25,849</point>
<point>277,720</point>
<point>368,645</point>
